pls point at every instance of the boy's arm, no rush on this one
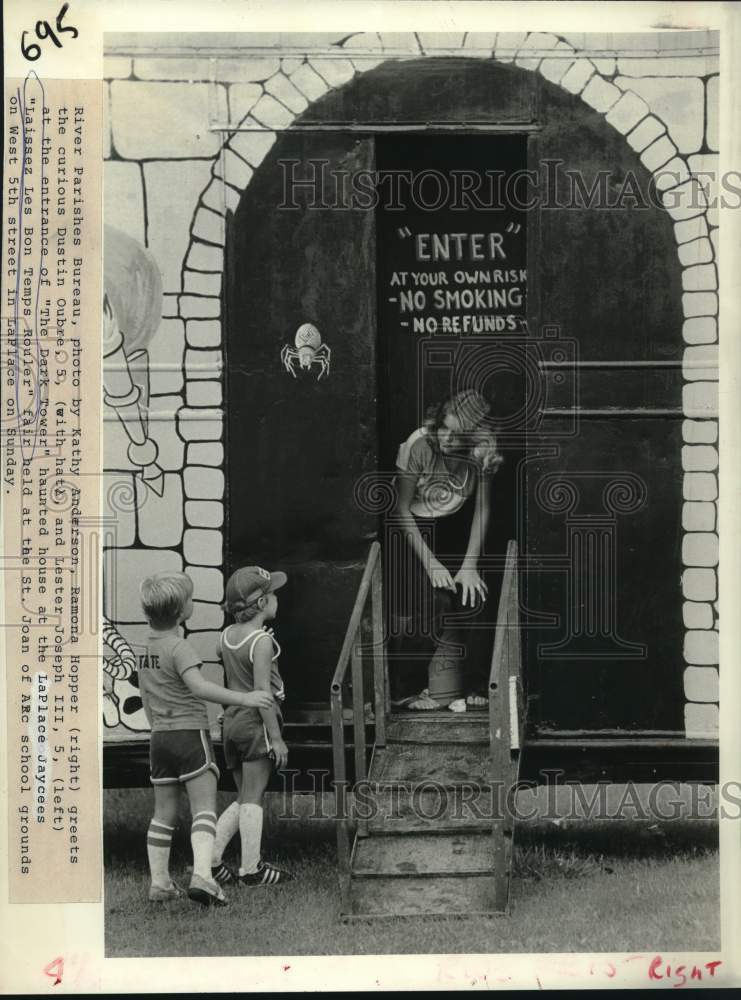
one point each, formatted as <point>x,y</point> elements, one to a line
<point>187,660</point>
<point>262,667</point>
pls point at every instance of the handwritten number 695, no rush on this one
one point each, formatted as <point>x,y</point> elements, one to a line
<point>43,30</point>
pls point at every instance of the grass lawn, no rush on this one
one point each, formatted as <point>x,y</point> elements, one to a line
<point>598,887</point>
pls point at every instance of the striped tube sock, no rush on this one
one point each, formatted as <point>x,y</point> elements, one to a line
<point>226,828</point>
<point>159,838</point>
<point>250,832</point>
<point>202,833</point>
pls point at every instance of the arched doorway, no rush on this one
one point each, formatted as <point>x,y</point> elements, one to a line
<point>296,447</point>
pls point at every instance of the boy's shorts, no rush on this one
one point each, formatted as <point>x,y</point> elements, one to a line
<point>246,738</point>
<point>178,755</point>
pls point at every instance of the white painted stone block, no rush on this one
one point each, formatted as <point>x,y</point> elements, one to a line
<point>124,198</point>
<point>206,645</point>
<point>701,647</point>
<point>203,333</point>
<point>676,66</point>
<point>625,114</point>
<point>205,393</point>
<point>169,305</point>
<point>198,283</point>
<point>198,424</point>
<point>205,617</point>
<point>699,458</point>
<point>173,189</point>
<point>712,113</point>
<point>124,570</point>
<point>284,91</point>
<point>600,94</point>
<point>698,515</point>
<point>213,196</point>
<point>700,548</point>
<point>700,362</point>
<point>202,257</point>
<point>363,64</point>
<point>697,615</point>
<point>204,513</point>
<point>684,201</point>
<point>678,104</point>
<point>208,584</point>
<point>699,304</point>
<point>234,170</point>
<point>203,547</point>
<point>508,45</point>
<point>701,722</point>
<point>242,99</point>
<point>203,484</point>
<point>690,229</point>
<point>209,226</point>
<point>431,41</point>
<point>480,43</point>
<point>254,144</point>
<point>203,364</point>
<point>164,432</point>
<point>555,67</point>
<point>309,82</point>
<point>119,505</point>
<point>701,684</point>
<point>577,76</point>
<point>699,486</point>
<point>658,153</point>
<point>700,399</point>
<point>161,517</point>
<point>705,168</point>
<point>271,114</point>
<point>700,431</point>
<point>211,453</point>
<point>700,278</point>
<point>161,120</point>
<point>116,67</point>
<point>191,70</point>
<point>699,584</point>
<point>199,307</point>
<point>532,50</point>
<point>605,66</point>
<point>246,70</point>
<point>645,133</point>
<point>696,252</point>
<point>715,240</point>
<point>671,174</point>
<point>700,330</point>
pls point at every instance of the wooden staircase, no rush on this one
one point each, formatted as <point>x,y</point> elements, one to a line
<point>432,834</point>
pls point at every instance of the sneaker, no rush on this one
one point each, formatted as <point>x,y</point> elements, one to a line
<point>223,874</point>
<point>159,894</point>
<point>206,892</point>
<point>266,874</point>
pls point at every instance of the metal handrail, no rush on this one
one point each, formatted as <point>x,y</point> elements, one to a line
<point>351,654</point>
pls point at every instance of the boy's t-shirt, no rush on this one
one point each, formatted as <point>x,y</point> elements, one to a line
<point>168,701</point>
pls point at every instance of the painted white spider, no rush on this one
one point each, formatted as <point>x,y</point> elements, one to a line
<point>309,350</point>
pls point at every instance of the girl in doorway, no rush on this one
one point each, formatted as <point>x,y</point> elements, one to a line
<point>253,743</point>
<point>443,485</point>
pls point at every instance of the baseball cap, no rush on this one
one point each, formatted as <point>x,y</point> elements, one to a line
<point>249,583</point>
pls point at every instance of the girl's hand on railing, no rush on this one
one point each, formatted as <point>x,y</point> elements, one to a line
<point>471,585</point>
<point>439,575</point>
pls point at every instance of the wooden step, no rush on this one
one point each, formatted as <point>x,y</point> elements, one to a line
<point>400,810</point>
<point>404,730</point>
<point>423,854</point>
<point>445,764</point>
<point>474,895</point>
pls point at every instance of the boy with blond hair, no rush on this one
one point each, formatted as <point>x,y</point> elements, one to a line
<point>174,694</point>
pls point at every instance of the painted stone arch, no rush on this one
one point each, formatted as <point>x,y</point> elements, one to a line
<point>276,103</point>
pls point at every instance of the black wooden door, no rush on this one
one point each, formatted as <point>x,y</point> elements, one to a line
<point>602,482</point>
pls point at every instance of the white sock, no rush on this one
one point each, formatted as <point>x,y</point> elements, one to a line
<point>226,828</point>
<point>202,833</point>
<point>159,838</point>
<point>250,832</point>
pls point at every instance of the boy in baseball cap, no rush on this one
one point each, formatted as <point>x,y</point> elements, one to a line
<point>253,741</point>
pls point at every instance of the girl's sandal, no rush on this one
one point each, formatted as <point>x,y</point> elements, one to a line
<point>418,703</point>
<point>477,701</point>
